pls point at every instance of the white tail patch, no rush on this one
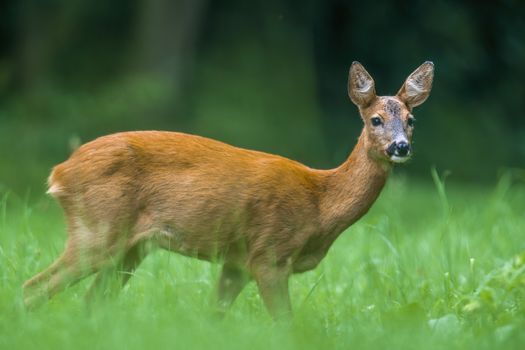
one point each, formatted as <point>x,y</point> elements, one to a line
<point>54,186</point>
<point>54,190</point>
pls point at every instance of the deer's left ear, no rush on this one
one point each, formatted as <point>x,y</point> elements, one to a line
<point>417,87</point>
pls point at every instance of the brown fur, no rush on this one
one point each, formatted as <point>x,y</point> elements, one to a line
<point>264,216</point>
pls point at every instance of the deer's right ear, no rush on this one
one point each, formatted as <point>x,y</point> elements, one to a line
<point>361,86</point>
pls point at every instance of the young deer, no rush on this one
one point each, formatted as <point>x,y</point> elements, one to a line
<point>264,216</point>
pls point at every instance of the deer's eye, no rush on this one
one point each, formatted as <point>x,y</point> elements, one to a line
<point>411,121</point>
<point>376,121</point>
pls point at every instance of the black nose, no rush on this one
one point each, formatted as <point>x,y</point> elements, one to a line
<point>402,148</point>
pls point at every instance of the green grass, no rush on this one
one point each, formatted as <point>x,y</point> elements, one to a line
<point>429,267</point>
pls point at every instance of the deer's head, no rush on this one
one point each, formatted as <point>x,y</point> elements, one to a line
<point>389,122</point>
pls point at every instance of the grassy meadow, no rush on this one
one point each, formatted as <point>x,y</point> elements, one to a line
<point>433,265</point>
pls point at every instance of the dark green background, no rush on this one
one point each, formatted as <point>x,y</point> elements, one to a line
<point>268,75</point>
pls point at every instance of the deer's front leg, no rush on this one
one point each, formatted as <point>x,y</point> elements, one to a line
<point>231,283</point>
<point>273,287</point>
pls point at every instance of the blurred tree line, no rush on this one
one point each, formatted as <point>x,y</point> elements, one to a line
<point>264,74</point>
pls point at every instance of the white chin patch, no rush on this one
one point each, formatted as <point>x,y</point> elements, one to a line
<point>397,159</point>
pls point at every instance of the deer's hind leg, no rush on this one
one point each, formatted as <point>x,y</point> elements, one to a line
<point>86,252</point>
<point>39,288</point>
<point>110,280</point>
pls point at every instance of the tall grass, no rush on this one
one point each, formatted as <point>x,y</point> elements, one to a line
<point>430,267</point>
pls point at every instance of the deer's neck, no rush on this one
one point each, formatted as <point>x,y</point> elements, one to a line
<point>352,188</point>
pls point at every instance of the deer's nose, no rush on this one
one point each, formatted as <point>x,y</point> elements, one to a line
<point>402,148</point>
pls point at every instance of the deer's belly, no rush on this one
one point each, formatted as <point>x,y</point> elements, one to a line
<point>205,246</point>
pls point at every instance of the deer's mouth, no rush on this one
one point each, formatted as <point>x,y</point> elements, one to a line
<point>399,159</point>
<point>398,154</point>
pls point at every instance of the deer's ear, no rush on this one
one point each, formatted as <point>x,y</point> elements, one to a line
<point>361,86</point>
<point>417,87</point>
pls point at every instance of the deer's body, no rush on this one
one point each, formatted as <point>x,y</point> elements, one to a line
<point>264,216</point>
<point>204,198</point>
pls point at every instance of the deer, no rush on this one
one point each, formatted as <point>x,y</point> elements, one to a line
<point>262,216</point>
